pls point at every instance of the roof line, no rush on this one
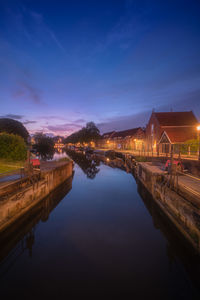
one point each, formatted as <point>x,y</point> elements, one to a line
<point>164,132</point>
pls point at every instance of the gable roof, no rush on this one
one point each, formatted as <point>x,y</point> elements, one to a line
<point>125,133</point>
<point>107,134</point>
<point>179,134</point>
<point>185,118</point>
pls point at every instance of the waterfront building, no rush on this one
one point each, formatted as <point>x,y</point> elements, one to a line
<point>169,128</point>
<point>59,144</point>
<point>131,139</point>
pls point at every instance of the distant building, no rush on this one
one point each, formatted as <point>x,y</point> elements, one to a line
<point>167,128</point>
<point>32,140</point>
<point>104,142</point>
<point>59,143</point>
<point>131,139</point>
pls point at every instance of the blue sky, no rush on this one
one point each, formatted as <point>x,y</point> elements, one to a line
<point>64,63</point>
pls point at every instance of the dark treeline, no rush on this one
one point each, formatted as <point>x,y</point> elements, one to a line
<point>44,146</point>
<point>87,134</point>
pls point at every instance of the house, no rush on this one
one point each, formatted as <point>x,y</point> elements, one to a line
<point>104,142</point>
<point>131,139</point>
<point>167,128</point>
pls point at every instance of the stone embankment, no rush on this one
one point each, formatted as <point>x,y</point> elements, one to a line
<point>19,196</point>
<point>177,196</point>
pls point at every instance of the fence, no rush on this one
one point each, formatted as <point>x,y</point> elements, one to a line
<point>180,151</point>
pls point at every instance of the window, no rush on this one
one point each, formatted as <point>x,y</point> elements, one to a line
<point>152,129</point>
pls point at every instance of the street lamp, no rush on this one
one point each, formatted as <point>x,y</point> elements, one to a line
<point>198,129</point>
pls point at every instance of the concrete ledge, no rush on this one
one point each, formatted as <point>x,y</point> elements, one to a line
<point>182,211</point>
<point>25,198</point>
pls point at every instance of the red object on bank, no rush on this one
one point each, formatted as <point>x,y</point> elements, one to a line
<point>176,162</point>
<point>35,162</point>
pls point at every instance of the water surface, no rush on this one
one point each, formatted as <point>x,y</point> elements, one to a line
<point>101,240</point>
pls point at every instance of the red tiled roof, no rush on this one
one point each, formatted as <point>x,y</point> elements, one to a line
<point>124,133</point>
<point>181,135</point>
<point>186,118</point>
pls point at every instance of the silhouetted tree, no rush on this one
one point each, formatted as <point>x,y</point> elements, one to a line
<point>44,145</point>
<point>13,126</point>
<point>86,134</point>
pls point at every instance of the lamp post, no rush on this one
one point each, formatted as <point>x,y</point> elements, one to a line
<point>198,129</point>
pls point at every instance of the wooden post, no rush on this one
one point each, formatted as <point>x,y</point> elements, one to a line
<point>179,152</point>
<point>199,144</point>
<point>171,161</point>
<point>189,150</point>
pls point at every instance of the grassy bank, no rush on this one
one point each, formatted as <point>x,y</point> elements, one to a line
<point>9,166</point>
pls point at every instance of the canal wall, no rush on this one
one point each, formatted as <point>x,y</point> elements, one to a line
<point>192,166</point>
<point>181,208</point>
<point>24,226</point>
<point>17,198</point>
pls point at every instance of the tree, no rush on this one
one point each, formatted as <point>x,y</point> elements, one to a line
<point>13,126</point>
<point>44,145</point>
<point>85,135</point>
<point>91,132</point>
<point>12,147</point>
<point>191,146</point>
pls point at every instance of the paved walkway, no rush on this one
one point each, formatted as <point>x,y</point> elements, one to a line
<point>190,183</point>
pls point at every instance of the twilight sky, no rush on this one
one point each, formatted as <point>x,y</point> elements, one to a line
<point>64,63</point>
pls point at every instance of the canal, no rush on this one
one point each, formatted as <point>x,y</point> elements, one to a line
<point>101,236</point>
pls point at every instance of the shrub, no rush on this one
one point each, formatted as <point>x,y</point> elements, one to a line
<point>12,147</point>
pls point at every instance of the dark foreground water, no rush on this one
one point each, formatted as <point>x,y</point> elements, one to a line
<point>99,241</point>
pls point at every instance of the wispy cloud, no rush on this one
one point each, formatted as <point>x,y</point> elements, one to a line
<point>55,39</point>
<point>80,121</point>
<point>124,122</point>
<point>64,128</point>
<point>28,92</point>
<point>31,24</point>
<point>29,122</point>
<point>38,29</point>
<point>11,116</point>
<point>124,32</point>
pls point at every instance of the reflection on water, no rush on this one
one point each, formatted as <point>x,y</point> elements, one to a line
<point>20,236</point>
<point>88,165</point>
<point>178,250</point>
<point>106,238</point>
<point>59,154</point>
